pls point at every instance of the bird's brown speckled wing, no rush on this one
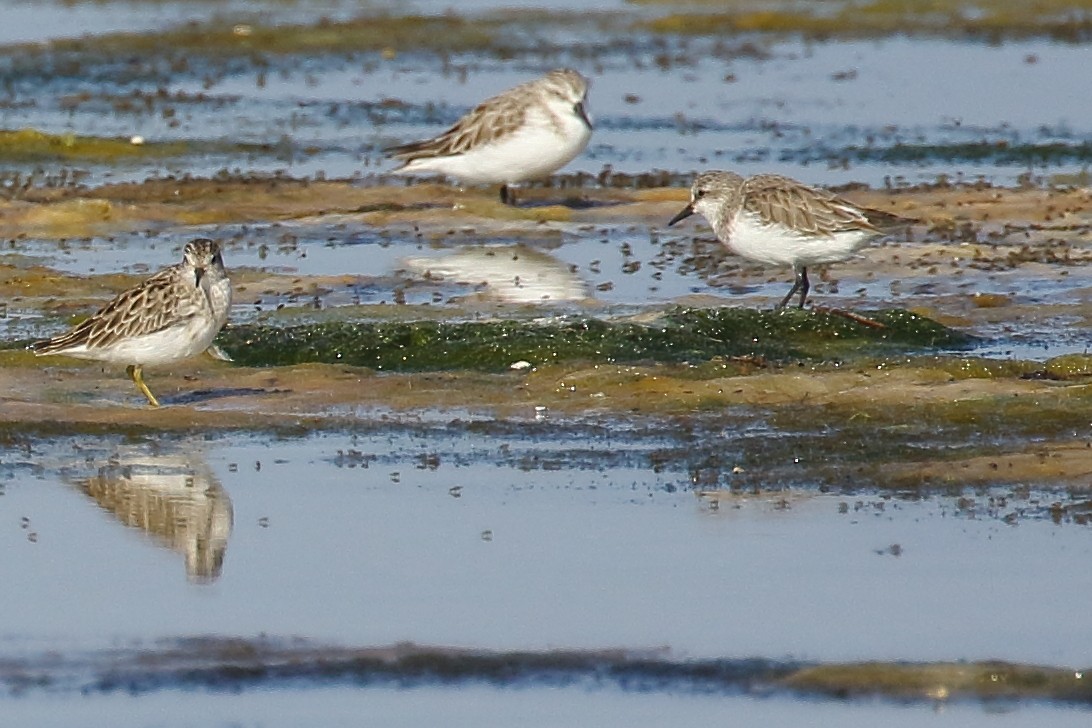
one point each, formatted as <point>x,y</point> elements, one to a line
<point>160,302</point>
<point>489,121</point>
<point>811,211</point>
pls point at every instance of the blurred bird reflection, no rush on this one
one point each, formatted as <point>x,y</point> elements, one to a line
<point>512,273</point>
<point>176,499</point>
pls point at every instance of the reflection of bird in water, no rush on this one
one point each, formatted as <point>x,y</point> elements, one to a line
<point>173,498</point>
<point>513,273</point>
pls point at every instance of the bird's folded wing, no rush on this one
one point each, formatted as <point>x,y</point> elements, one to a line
<point>489,121</point>
<point>152,306</point>
<point>783,201</point>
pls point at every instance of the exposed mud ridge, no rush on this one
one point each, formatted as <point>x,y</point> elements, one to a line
<point>994,268</point>
<point>1013,455</point>
<point>240,664</point>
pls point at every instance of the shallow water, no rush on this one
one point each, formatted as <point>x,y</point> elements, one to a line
<point>441,537</point>
<point>828,113</point>
<point>361,539</point>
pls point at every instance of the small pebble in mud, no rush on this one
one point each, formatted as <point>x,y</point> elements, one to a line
<point>455,491</point>
<point>32,537</point>
<point>24,522</point>
<point>264,521</point>
<point>487,535</point>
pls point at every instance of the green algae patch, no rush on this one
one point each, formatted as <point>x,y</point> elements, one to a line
<point>386,33</point>
<point>31,146</point>
<point>1001,153</point>
<point>1070,366</point>
<point>15,354</point>
<point>995,21</point>
<point>689,335</point>
<point>941,681</point>
<point>972,367</point>
<point>434,346</point>
<point>818,335</point>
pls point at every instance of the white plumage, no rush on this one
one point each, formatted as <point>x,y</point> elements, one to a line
<point>775,244</point>
<point>776,220</point>
<point>525,133</point>
<point>173,315</point>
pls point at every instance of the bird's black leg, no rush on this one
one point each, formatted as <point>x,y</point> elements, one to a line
<point>804,284</point>
<point>507,196</point>
<point>801,284</point>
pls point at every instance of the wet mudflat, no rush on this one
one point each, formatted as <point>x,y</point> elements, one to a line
<point>475,463</point>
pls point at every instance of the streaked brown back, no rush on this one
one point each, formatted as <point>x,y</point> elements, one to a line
<point>785,201</point>
<point>144,309</point>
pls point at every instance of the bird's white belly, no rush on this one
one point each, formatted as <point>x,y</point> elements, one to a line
<point>161,347</point>
<point>779,245</point>
<point>535,150</point>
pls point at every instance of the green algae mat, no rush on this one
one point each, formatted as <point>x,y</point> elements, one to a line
<point>684,335</point>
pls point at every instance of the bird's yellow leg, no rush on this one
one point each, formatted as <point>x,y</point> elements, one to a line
<point>136,373</point>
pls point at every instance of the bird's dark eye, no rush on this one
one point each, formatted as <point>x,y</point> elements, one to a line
<point>699,193</point>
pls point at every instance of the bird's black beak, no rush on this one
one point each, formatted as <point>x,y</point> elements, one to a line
<point>198,274</point>
<point>582,113</point>
<point>683,214</point>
